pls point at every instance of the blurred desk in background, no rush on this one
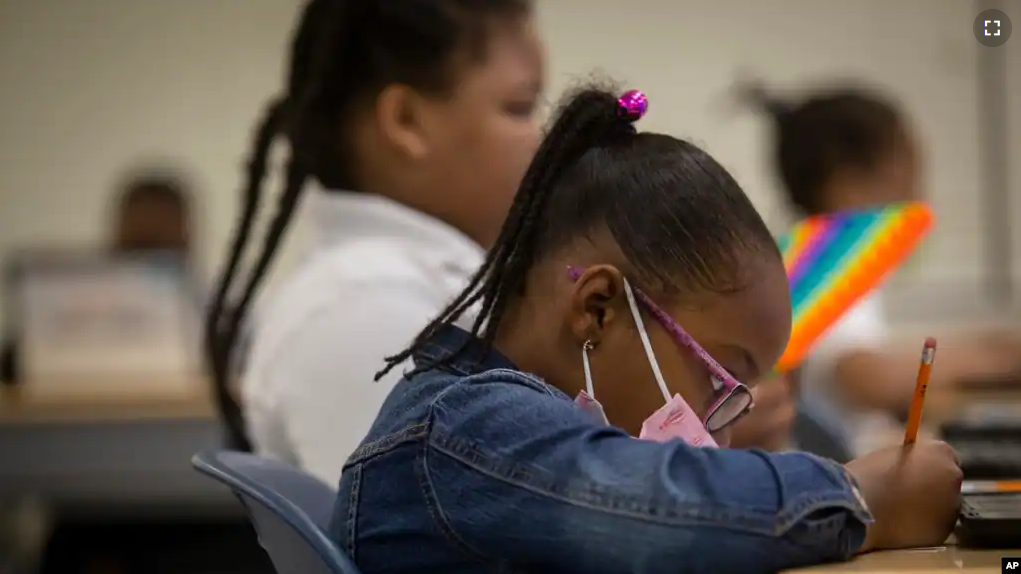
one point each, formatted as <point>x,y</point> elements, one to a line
<point>113,447</point>
<point>942,405</point>
<point>83,401</point>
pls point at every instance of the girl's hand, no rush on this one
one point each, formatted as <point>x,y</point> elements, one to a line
<point>913,492</point>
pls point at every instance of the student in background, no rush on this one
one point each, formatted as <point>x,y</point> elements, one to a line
<point>632,270</point>
<point>849,149</point>
<point>418,118</point>
<point>151,213</point>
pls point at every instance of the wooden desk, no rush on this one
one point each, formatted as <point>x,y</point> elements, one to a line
<point>943,560</point>
<point>941,405</point>
<point>52,402</point>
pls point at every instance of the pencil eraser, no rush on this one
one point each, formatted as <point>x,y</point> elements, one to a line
<point>930,342</point>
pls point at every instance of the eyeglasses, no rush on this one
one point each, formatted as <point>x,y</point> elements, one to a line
<point>733,398</point>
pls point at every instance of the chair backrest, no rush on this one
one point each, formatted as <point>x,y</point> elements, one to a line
<point>290,510</point>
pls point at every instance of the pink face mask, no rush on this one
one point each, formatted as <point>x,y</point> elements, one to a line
<point>675,419</point>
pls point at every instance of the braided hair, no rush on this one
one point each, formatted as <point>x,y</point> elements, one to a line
<point>344,53</point>
<point>679,218</point>
<point>824,133</point>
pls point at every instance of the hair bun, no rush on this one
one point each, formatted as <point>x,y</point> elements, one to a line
<point>632,105</point>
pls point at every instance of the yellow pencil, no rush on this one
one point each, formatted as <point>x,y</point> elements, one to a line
<point>915,413</point>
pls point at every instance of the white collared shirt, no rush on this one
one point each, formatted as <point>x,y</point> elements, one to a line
<point>377,274</point>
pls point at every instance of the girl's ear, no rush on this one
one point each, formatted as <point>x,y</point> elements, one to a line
<point>399,112</point>
<point>595,298</point>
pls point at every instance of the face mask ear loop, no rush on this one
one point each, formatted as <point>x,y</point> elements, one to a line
<point>585,348</point>
<point>645,341</point>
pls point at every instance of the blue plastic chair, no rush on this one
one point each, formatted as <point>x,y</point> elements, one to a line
<point>290,510</point>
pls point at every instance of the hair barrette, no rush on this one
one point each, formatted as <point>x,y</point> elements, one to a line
<point>632,105</point>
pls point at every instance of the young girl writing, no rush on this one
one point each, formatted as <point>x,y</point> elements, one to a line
<point>632,287</point>
<point>418,119</point>
<point>851,149</point>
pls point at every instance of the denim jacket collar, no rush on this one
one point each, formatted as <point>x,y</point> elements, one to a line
<point>474,357</point>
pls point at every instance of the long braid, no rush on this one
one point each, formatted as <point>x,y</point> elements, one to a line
<point>217,345</point>
<point>296,177</point>
<point>587,121</point>
<point>285,118</point>
<point>315,49</point>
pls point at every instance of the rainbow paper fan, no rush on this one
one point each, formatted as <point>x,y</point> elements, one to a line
<point>834,260</point>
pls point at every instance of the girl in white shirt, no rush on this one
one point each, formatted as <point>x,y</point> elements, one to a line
<point>850,149</point>
<point>417,118</point>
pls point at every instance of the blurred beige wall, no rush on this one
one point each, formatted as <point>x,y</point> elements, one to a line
<point>90,88</point>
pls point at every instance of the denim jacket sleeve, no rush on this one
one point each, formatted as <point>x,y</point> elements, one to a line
<point>518,476</point>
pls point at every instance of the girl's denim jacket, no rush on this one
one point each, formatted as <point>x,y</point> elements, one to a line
<point>480,467</point>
